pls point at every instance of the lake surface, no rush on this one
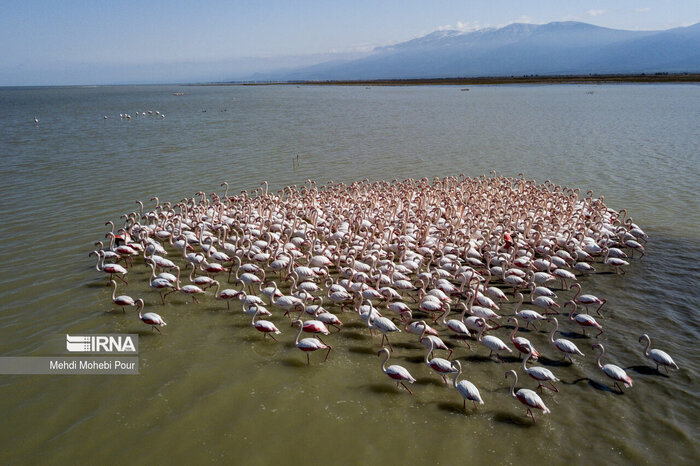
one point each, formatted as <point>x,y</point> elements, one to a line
<point>211,390</point>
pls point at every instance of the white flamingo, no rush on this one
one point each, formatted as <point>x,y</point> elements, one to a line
<point>658,356</point>
<point>465,388</point>
<point>616,373</point>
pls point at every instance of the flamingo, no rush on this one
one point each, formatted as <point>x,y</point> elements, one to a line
<point>528,315</point>
<point>584,320</point>
<point>615,262</point>
<point>123,300</point>
<point>457,326</point>
<point>432,341</point>
<point>111,269</point>
<point>565,346</point>
<point>465,388</point>
<point>416,327</point>
<point>150,318</point>
<point>658,356</point>
<point>264,326</point>
<point>396,372</point>
<point>315,327</point>
<point>227,294</point>
<point>439,365</point>
<point>494,344</point>
<point>159,283</point>
<point>527,397</point>
<point>540,374</point>
<point>587,299</point>
<point>616,373</point>
<point>191,290</point>
<point>309,344</point>
<point>384,325</point>
<point>523,345</point>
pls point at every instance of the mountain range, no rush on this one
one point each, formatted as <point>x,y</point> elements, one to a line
<point>558,48</point>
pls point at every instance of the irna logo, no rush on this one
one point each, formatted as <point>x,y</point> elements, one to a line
<point>114,343</point>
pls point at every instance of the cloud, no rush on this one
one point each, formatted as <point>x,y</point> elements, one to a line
<point>462,26</point>
<point>643,10</point>
<point>595,12</point>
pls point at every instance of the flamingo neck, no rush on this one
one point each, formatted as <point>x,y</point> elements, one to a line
<point>554,330</point>
<point>578,292</point>
<point>114,290</point>
<point>456,376</point>
<point>600,356</point>
<point>646,350</point>
<point>525,361</point>
<point>301,329</point>
<point>386,359</point>
<point>515,380</point>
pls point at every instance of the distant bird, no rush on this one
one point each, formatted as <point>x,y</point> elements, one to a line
<point>656,355</point>
<point>616,373</point>
<point>36,121</point>
<point>527,397</point>
<point>396,372</point>
<point>465,388</point>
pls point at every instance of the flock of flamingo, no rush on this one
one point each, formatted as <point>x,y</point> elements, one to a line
<point>433,259</point>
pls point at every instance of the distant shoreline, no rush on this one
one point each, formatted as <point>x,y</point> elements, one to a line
<point>530,79</point>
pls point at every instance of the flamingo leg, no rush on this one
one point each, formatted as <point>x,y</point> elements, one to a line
<point>601,331</point>
<point>272,337</point>
<point>603,301</point>
<point>319,338</point>
<point>553,387</point>
<point>449,355</point>
<point>445,380</point>
<point>390,347</point>
<point>475,406</point>
<point>464,405</point>
<point>307,359</point>
<point>666,369</point>
<point>194,300</point>
<point>531,415</point>
<point>328,353</point>
<point>157,329</point>
<point>619,388</point>
<point>120,278</point>
<point>407,389</point>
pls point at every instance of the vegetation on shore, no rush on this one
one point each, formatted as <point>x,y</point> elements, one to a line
<point>527,79</point>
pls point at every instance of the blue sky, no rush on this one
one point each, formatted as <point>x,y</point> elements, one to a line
<point>93,42</point>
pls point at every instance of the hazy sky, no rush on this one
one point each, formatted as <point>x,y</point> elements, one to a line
<point>81,42</point>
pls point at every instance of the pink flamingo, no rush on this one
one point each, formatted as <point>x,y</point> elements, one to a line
<point>309,344</point>
<point>527,397</point>
<point>111,269</point>
<point>523,345</point>
<point>396,372</point>
<point>584,320</point>
<point>264,326</point>
<point>122,300</point>
<point>150,318</point>
<point>439,365</point>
